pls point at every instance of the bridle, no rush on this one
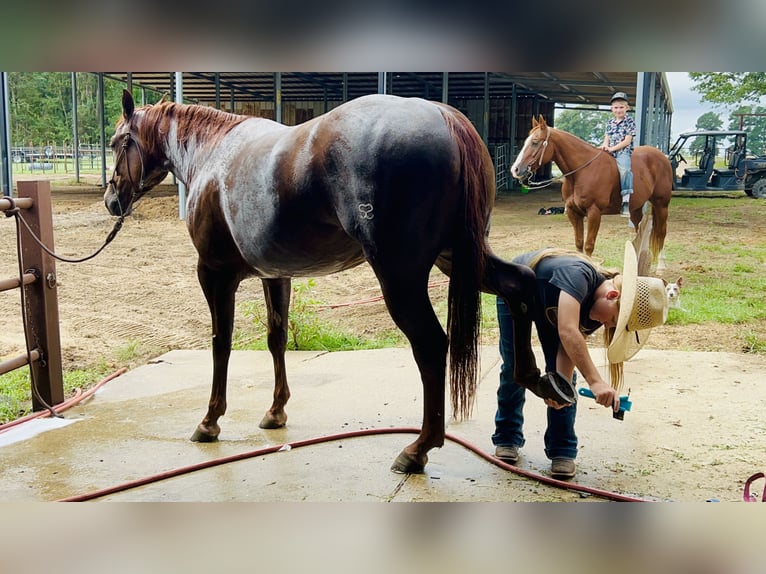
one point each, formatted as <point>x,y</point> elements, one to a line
<point>543,147</point>
<point>137,190</point>
<point>539,160</point>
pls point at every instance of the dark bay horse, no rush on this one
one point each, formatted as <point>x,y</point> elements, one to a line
<point>591,186</point>
<point>404,184</point>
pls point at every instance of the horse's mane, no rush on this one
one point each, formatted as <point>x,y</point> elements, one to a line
<point>201,122</point>
<point>571,136</point>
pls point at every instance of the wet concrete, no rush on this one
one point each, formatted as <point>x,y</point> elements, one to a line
<point>139,425</point>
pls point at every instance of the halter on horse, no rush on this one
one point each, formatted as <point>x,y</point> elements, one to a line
<point>591,186</point>
<point>404,184</point>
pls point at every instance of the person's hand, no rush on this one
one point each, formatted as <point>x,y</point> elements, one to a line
<point>554,405</point>
<point>605,395</point>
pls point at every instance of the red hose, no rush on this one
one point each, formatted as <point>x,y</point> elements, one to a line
<point>367,432</point>
<point>81,396</point>
<point>78,397</point>
<point>371,299</point>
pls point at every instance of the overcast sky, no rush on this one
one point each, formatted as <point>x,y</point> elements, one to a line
<point>687,105</point>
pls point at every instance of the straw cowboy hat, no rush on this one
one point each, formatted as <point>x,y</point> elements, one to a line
<point>643,306</point>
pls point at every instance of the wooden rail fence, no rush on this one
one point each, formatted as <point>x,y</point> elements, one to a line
<point>40,284</point>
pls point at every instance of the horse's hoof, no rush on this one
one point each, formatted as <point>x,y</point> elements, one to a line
<point>201,435</point>
<point>555,387</point>
<point>269,421</point>
<point>406,464</point>
<point>528,379</point>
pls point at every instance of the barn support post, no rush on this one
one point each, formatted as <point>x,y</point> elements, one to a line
<point>6,175</point>
<point>75,129</point>
<point>101,121</point>
<point>42,295</point>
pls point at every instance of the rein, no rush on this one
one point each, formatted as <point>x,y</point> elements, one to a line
<point>539,184</point>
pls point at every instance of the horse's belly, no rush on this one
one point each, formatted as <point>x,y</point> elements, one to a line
<point>310,258</point>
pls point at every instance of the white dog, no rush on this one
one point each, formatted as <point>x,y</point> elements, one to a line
<point>673,291</point>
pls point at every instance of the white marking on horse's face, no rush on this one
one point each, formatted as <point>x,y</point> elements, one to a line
<point>515,166</point>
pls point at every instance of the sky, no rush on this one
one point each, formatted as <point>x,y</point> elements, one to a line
<point>687,104</point>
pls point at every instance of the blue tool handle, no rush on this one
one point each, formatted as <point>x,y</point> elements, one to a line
<point>625,402</point>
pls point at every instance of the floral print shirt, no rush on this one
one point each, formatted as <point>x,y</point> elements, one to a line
<point>617,131</point>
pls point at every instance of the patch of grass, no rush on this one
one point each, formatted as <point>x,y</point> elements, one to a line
<point>307,331</point>
<point>723,281</point>
<point>128,352</point>
<point>15,395</point>
<point>16,389</point>
<point>754,344</point>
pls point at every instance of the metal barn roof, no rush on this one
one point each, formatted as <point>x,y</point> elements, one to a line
<point>558,87</point>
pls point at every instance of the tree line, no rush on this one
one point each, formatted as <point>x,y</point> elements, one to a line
<point>41,108</point>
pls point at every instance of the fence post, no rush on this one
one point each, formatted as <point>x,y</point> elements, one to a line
<point>42,295</point>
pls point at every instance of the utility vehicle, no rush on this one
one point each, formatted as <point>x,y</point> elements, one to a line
<point>743,171</point>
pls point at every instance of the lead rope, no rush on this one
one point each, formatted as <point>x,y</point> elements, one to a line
<point>112,234</point>
<point>117,224</point>
<point>15,212</point>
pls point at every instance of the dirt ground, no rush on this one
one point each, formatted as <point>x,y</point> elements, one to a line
<point>140,297</point>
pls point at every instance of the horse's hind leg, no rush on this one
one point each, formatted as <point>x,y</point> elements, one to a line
<point>516,284</point>
<point>277,294</point>
<point>219,287</point>
<point>408,303</point>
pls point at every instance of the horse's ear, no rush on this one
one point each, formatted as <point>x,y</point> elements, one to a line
<point>534,122</point>
<point>127,105</point>
<point>542,121</point>
<point>164,98</point>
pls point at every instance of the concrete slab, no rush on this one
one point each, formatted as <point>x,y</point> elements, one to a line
<point>139,425</point>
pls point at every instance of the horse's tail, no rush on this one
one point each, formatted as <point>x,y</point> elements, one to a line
<point>663,190</point>
<point>468,260</point>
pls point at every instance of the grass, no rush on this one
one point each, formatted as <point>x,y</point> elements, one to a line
<point>16,389</point>
<point>724,275</point>
<point>307,331</point>
<point>725,284</point>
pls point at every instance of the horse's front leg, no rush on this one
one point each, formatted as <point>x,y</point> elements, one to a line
<point>594,222</point>
<point>277,294</point>
<point>577,219</point>
<point>516,284</point>
<point>219,288</point>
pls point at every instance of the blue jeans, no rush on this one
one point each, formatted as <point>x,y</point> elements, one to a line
<point>626,175</point>
<point>560,437</point>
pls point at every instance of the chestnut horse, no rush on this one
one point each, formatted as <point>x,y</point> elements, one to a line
<point>591,186</point>
<point>404,184</point>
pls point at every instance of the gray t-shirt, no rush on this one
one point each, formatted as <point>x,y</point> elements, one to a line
<point>574,276</point>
